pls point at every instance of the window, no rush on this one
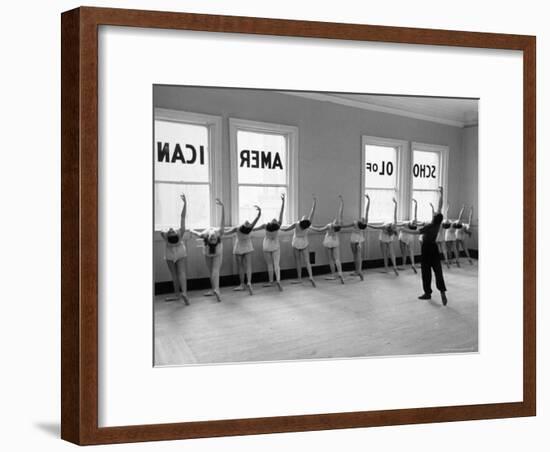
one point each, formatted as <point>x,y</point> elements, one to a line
<point>263,166</point>
<point>186,153</point>
<point>381,175</point>
<point>428,173</point>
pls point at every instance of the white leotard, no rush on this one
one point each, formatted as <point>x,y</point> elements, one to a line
<point>243,243</point>
<point>299,239</point>
<point>332,238</point>
<point>357,235</point>
<point>271,241</point>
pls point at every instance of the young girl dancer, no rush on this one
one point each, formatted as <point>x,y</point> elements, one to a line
<point>357,238</point>
<point>176,256</point>
<point>450,238</point>
<point>388,232</point>
<point>272,247</point>
<point>300,244</point>
<point>332,242</point>
<point>213,251</point>
<point>243,251</point>
<point>463,230</point>
<point>406,240</point>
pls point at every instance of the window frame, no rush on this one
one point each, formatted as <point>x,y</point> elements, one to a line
<point>402,187</point>
<point>292,140</point>
<point>443,151</point>
<point>214,126</point>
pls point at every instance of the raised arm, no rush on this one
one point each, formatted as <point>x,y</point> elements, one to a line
<point>282,208</point>
<point>367,207</point>
<point>470,215</point>
<point>222,218</point>
<point>415,211</point>
<point>340,214</point>
<point>460,214</point>
<point>312,211</point>
<point>433,210</point>
<point>258,215</point>
<point>183,215</point>
<point>394,210</point>
<point>440,201</point>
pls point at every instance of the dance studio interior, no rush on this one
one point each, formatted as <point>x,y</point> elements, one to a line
<point>252,147</point>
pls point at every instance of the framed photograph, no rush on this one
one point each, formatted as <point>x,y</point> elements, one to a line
<point>279,226</point>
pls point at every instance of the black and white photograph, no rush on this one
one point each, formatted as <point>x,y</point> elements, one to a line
<point>296,225</point>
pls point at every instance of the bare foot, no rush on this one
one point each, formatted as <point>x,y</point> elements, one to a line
<point>414,269</point>
<point>217,294</point>
<point>238,288</point>
<point>396,272</point>
<point>296,281</point>
<point>268,284</point>
<point>330,278</point>
<point>208,294</point>
<point>341,278</point>
<point>249,287</point>
<point>312,282</point>
<point>279,286</point>
<point>171,298</point>
<point>361,276</point>
<point>185,299</point>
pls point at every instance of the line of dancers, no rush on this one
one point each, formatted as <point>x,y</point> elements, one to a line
<point>449,239</point>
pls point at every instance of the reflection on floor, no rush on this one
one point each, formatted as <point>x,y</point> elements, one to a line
<point>377,317</point>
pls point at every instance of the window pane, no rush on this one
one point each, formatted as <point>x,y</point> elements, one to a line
<point>380,166</point>
<point>262,158</point>
<point>424,198</point>
<point>181,152</point>
<point>168,205</point>
<point>426,170</point>
<point>381,205</point>
<point>269,200</point>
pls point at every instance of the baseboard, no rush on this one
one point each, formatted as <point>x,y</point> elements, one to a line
<point>164,287</point>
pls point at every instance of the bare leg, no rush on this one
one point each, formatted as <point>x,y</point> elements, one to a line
<point>455,250</point>
<point>336,257</point>
<point>269,261</point>
<point>384,249</point>
<point>216,263</point>
<point>208,260</point>
<point>465,248</point>
<point>298,260</point>
<point>276,256</point>
<point>443,249</point>
<point>181,265</point>
<point>411,251</point>
<point>305,257</point>
<point>330,263</point>
<point>240,265</point>
<point>392,256</point>
<point>403,249</point>
<point>175,281</point>
<point>247,261</point>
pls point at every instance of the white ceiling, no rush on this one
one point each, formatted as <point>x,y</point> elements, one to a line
<point>451,111</point>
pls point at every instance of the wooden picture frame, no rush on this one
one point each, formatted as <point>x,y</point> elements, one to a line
<point>79,301</point>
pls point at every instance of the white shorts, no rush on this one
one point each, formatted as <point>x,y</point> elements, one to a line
<point>406,238</point>
<point>356,237</point>
<point>331,241</point>
<point>385,237</point>
<point>241,247</point>
<point>300,243</point>
<point>450,235</point>
<point>175,253</point>
<point>271,245</point>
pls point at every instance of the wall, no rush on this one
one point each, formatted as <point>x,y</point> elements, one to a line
<point>329,160</point>
<point>30,333</point>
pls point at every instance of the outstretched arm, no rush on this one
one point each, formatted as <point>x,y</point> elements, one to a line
<point>319,228</point>
<point>340,213</point>
<point>259,228</point>
<point>312,212</point>
<point>289,227</point>
<point>282,208</point>
<point>258,215</point>
<point>394,210</point>
<point>183,215</point>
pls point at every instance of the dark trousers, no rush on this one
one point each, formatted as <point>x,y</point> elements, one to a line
<point>431,260</point>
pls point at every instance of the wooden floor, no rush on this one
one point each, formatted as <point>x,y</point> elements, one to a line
<point>378,317</point>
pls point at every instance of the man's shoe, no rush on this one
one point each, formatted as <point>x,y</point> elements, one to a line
<point>426,296</point>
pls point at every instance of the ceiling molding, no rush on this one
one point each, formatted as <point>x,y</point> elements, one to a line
<point>372,107</point>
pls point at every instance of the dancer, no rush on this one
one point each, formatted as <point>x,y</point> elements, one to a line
<point>357,238</point>
<point>272,247</point>
<point>176,257</point>
<point>213,252</point>
<point>388,232</point>
<point>463,230</point>
<point>431,260</point>
<point>300,244</point>
<point>243,251</point>
<point>450,238</point>
<point>331,242</point>
<point>406,240</point>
